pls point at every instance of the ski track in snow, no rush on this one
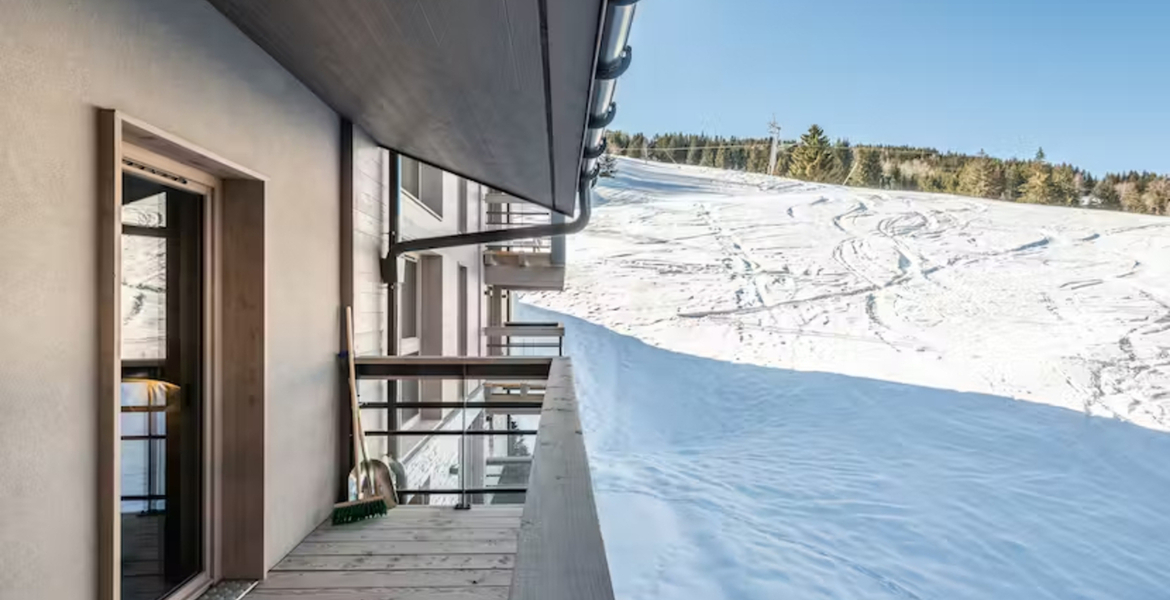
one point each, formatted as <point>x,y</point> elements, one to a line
<point>1046,304</point>
<point>844,393</point>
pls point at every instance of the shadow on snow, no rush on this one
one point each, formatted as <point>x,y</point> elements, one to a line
<point>722,480</point>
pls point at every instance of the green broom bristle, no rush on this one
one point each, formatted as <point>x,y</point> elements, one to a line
<point>349,512</point>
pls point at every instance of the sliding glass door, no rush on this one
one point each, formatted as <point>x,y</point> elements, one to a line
<point>163,398</point>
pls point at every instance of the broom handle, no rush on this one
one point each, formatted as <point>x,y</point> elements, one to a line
<point>359,436</point>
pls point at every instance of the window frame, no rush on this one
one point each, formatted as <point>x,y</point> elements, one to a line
<point>234,346</point>
<point>431,202</point>
<point>404,167</point>
<point>410,344</point>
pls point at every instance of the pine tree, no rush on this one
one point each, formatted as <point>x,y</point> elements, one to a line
<point>637,147</point>
<point>757,161</point>
<point>892,178</point>
<point>1130,196</point>
<point>1064,187</point>
<point>1040,188</point>
<point>869,169</point>
<point>721,157</point>
<point>783,164</point>
<point>1014,180</point>
<point>843,160</point>
<point>1156,198</point>
<point>707,157</point>
<point>813,159</point>
<point>981,178</point>
<point>695,149</point>
<point>1107,193</point>
<point>1040,154</point>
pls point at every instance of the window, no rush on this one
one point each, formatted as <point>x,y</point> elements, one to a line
<point>424,183</point>
<point>463,201</point>
<point>432,188</point>
<point>411,177</point>
<point>408,314</point>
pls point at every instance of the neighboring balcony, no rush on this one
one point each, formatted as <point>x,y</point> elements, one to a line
<point>529,527</point>
<point>527,264</point>
<point>516,338</point>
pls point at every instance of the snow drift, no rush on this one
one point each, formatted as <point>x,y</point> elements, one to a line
<point>830,392</point>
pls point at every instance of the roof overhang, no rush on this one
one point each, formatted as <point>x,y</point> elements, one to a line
<point>494,90</point>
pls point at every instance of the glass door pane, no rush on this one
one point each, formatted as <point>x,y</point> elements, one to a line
<point>162,397</point>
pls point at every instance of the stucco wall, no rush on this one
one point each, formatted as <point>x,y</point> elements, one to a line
<point>183,67</point>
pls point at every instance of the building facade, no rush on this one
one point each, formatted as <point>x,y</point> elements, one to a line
<point>190,193</point>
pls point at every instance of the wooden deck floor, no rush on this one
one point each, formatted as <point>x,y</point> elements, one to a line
<point>413,553</point>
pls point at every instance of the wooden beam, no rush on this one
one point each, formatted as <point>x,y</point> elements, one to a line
<point>560,555</point>
<point>526,330</point>
<point>370,548</point>
<point>243,366</point>
<point>476,592</point>
<point>109,263</point>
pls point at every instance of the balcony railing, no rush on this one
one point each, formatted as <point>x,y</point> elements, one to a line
<point>526,339</point>
<point>505,212</point>
<point>558,549</point>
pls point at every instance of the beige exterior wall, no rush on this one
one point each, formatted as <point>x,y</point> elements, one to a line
<point>180,66</point>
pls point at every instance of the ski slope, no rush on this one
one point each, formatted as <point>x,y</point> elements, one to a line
<point>793,390</point>
<point>1069,307</point>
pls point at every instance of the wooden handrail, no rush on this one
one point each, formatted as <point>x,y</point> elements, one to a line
<point>560,555</point>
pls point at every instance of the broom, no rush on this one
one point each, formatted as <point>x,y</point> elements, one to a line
<point>365,506</point>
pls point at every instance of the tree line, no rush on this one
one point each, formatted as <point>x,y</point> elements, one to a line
<point>815,158</point>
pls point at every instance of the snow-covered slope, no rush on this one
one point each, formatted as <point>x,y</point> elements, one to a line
<point>834,393</point>
<point>1068,307</point>
<point>724,481</point>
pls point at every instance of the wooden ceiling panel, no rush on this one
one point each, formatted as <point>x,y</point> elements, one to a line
<point>471,86</point>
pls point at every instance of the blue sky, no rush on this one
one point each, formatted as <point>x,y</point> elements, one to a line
<point>1087,80</point>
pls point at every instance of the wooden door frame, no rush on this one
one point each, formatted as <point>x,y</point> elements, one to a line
<point>145,164</point>
<point>235,354</point>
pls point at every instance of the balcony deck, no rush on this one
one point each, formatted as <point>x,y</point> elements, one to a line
<point>548,549</point>
<point>415,553</point>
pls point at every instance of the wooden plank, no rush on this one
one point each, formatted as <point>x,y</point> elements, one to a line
<point>432,593</point>
<point>411,510</point>
<point>429,522</point>
<point>386,579</point>
<point>402,534</point>
<point>396,562</point>
<point>515,385</point>
<point>508,460</point>
<point>381,548</point>
<point>561,554</point>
